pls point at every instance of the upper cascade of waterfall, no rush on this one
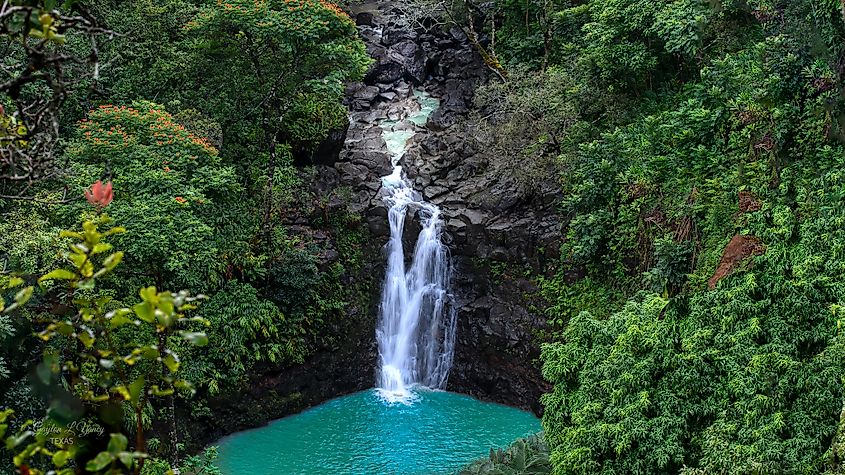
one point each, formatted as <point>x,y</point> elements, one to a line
<point>416,330</point>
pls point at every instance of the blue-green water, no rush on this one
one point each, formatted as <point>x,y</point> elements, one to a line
<point>361,434</point>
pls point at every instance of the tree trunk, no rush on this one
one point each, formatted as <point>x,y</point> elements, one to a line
<point>547,47</point>
<point>489,59</point>
<point>173,452</point>
<point>140,443</point>
<point>174,438</point>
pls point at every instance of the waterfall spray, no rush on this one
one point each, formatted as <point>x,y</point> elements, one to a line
<point>416,330</point>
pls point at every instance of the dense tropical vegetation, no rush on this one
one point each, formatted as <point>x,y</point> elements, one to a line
<point>701,155</point>
<point>153,153</point>
<point>194,180</point>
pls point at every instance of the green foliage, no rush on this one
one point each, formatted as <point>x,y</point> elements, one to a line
<point>727,103</point>
<point>293,279</point>
<point>202,464</point>
<point>246,330</point>
<point>29,241</point>
<point>524,457</point>
<point>206,189</point>
<point>148,58</point>
<point>102,373</point>
<point>743,379</point>
<point>47,48</point>
<point>566,301</point>
<point>171,184</point>
<point>722,380</point>
<point>7,329</point>
<point>671,264</point>
<point>528,119</point>
<point>285,62</point>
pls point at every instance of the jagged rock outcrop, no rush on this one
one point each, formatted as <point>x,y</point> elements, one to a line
<point>491,221</point>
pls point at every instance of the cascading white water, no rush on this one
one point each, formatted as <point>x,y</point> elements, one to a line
<point>416,331</point>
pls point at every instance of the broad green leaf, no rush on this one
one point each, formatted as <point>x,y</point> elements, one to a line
<point>86,336</point>
<point>60,458</point>
<point>113,260</point>
<point>145,311</point>
<point>165,319</point>
<point>64,328</point>
<point>126,458</point>
<point>123,391</point>
<point>195,338</point>
<point>23,295</point>
<point>115,230</point>
<point>119,317</point>
<point>85,284</point>
<point>58,274</point>
<point>78,259</point>
<point>87,269</point>
<point>71,234</point>
<point>91,396</point>
<point>158,392</point>
<point>150,352</point>
<point>172,362</point>
<point>16,440</point>
<point>117,443</point>
<point>135,389</point>
<point>101,248</point>
<point>101,461</point>
<point>21,298</point>
<point>149,294</point>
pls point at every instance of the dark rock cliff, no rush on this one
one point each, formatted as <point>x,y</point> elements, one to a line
<point>499,235</point>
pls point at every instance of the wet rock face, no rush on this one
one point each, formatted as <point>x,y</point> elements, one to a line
<point>491,221</point>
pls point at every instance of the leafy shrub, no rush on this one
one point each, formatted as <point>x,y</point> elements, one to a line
<point>105,374</point>
<point>292,280</point>
<point>246,330</point>
<point>171,182</point>
<point>524,457</point>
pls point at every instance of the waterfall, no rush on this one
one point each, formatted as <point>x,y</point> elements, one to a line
<point>416,329</point>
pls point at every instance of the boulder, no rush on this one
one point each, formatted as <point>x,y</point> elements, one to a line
<point>412,58</point>
<point>384,71</point>
<point>325,153</point>
<point>364,19</point>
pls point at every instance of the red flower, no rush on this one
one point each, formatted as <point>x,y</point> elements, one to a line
<point>180,200</point>
<point>99,195</point>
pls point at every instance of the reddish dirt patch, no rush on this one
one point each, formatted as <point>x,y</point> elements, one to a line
<point>748,202</point>
<point>739,249</point>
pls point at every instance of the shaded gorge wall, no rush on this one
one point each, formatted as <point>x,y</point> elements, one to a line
<point>500,237</point>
